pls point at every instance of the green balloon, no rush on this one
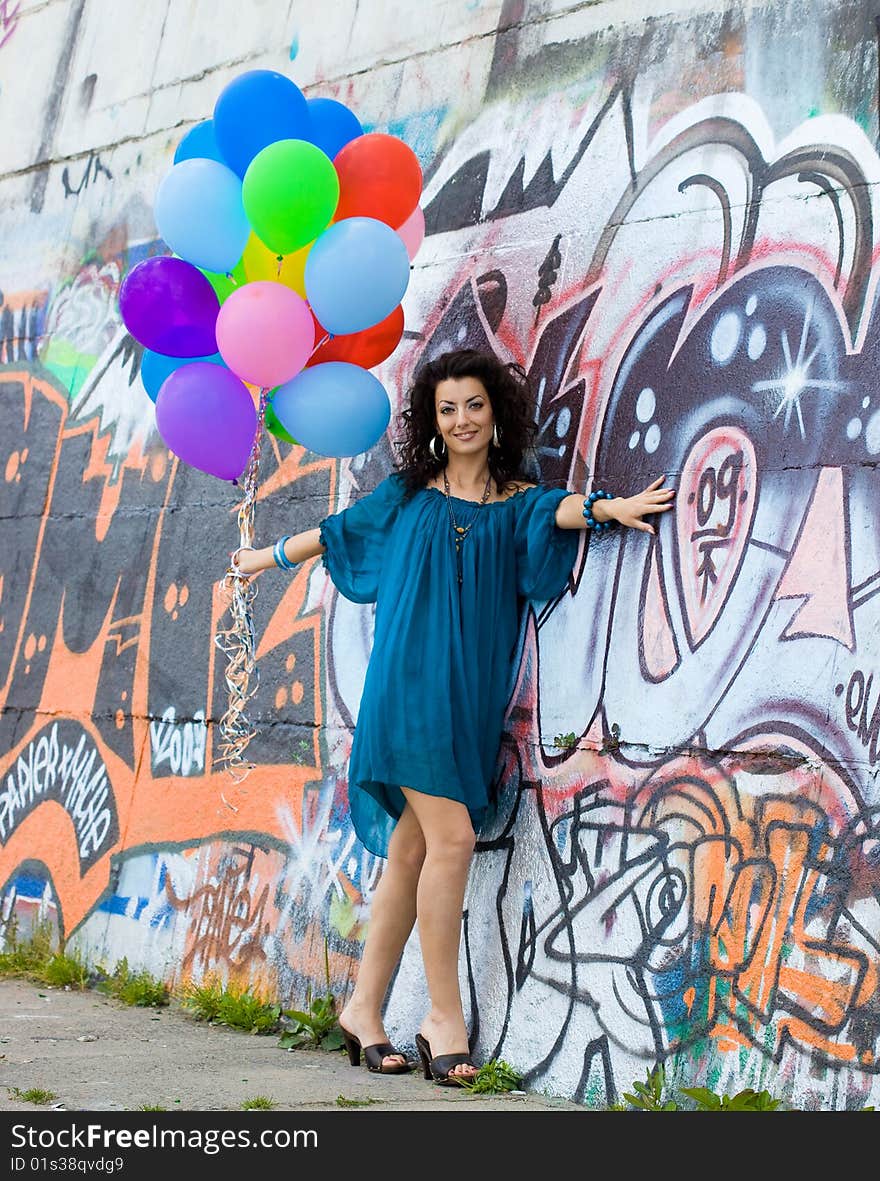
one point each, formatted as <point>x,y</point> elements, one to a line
<point>290,192</point>
<point>273,424</point>
<point>222,284</point>
<point>238,273</point>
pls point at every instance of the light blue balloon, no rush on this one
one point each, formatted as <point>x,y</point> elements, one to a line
<point>334,409</point>
<point>333,124</point>
<point>356,274</point>
<point>155,368</point>
<point>200,214</point>
<point>199,142</point>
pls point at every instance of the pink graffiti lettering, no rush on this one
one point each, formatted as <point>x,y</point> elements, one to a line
<point>9,18</point>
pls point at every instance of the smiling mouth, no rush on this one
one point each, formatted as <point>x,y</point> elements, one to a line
<point>466,435</point>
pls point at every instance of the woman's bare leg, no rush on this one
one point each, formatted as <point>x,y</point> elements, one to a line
<point>449,847</point>
<point>392,915</point>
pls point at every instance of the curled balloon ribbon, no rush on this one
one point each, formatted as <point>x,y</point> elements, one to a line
<point>237,639</point>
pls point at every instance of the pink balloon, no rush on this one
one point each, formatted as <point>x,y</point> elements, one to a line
<point>265,333</point>
<point>413,231</point>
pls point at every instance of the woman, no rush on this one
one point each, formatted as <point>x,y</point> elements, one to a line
<point>447,547</point>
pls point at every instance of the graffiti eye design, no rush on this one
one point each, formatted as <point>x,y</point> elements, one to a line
<point>663,903</point>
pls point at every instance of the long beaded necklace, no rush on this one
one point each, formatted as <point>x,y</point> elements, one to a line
<point>460,532</point>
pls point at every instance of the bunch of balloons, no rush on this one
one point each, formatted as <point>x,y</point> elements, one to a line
<point>291,233</point>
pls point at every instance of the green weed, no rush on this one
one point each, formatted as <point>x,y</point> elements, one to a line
<point>493,1078</point>
<point>67,971</point>
<point>315,1027</point>
<point>32,1095</point>
<point>565,741</point>
<point>746,1100</point>
<point>243,1010</point>
<point>342,1101</point>
<point>612,741</point>
<point>134,988</point>
<point>36,958</point>
<point>203,1001</point>
<point>229,1005</point>
<point>151,1107</point>
<point>312,1028</point>
<point>27,957</point>
<point>258,1103</point>
<point>651,1095</point>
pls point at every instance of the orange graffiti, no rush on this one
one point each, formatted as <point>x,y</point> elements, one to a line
<point>150,809</point>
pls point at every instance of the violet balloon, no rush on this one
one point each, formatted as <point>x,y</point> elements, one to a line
<point>169,306</point>
<point>206,417</point>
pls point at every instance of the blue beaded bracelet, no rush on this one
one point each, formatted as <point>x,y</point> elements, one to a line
<point>281,559</point>
<point>592,523</point>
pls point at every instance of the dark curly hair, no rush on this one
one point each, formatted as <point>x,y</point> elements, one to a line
<point>513,407</point>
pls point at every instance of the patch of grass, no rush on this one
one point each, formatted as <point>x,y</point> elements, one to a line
<point>32,1095</point>
<point>202,1000</point>
<point>493,1078</point>
<point>37,958</point>
<point>342,1101</point>
<point>26,957</point>
<point>244,1010</point>
<point>150,1107</point>
<point>258,1103</point>
<point>229,1005</point>
<point>67,971</point>
<point>134,988</point>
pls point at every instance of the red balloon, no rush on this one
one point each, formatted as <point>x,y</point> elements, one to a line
<point>379,176</point>
<point>365,348</point>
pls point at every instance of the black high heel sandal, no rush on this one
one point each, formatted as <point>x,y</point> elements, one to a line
<point>374,1054</point>
<point>439,1069</point>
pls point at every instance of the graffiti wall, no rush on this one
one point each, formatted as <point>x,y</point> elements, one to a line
<point>669,218</point>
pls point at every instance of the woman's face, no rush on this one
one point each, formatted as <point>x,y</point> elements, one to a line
<point>464,415</point>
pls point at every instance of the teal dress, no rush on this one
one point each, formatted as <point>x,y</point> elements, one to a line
<point>433,702</point>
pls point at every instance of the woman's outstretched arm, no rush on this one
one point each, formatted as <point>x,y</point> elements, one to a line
<point>626,510</point>
<point>298,548</point>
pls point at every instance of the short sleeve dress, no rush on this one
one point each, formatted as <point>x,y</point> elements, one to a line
<point>432,707</point>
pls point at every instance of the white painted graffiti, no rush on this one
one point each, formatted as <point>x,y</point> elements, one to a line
<point>67,769</point>
<point>181,745</point>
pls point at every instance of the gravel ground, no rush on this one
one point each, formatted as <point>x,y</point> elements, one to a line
<point>96,1054</point>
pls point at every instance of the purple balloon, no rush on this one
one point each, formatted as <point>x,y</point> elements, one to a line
<point>206,416</point>
<point>170,307</point>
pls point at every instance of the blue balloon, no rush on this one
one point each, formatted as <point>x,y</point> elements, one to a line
<point>155,367</point>
<point>333,124</point>
<point>334,409</point>
<point>356,274</point>
<point>254,110</point>
<point>199,142</point>
<point>200,214</point>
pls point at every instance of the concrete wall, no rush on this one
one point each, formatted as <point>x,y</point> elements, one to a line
<point>667,213</point>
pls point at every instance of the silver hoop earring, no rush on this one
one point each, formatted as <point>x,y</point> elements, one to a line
<point>496,440</point>
<point>432,447</point>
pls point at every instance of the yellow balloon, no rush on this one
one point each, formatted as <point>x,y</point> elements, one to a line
<point>258,262</point>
